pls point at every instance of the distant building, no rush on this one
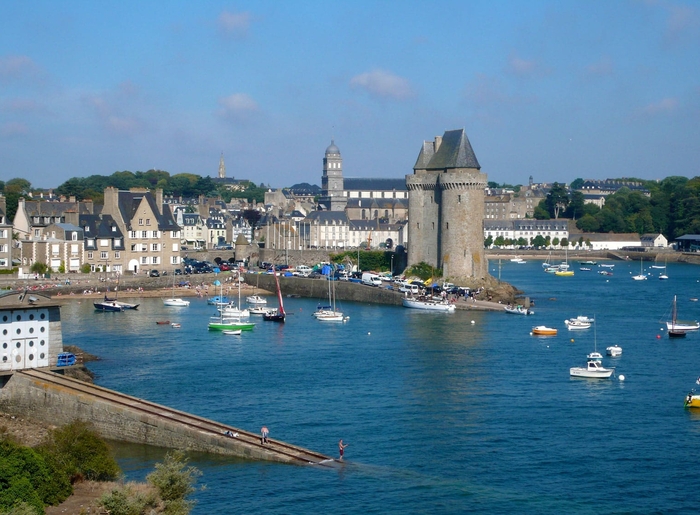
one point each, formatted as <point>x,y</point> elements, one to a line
<point>526,229</point>
<point>604,241</point>
<point>6,242</point>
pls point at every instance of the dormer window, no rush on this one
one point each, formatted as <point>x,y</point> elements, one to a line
<point>114,228</point>
<point>87,228</point>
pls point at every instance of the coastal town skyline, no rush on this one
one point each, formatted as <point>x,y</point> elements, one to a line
<point>553,90</point>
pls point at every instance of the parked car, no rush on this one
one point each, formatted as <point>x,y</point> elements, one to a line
<point>178,271</point>
<point>154,273</point>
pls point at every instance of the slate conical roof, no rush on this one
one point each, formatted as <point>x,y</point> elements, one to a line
<point>455,152</point>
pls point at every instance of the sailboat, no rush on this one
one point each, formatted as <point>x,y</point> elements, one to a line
<point>662,275</point>
<point>330,313</point>
<point>676,329</point>
<point>175,301</point>
<point>279,315</point>
<point>641,276</point>
<point>563,270</point>
<point>228,322</point>
<point>231,309</point>
<point>124,305</point>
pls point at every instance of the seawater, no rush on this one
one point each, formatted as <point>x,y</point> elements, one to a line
<point>461,413</point>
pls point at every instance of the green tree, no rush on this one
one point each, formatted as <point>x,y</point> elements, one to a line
<point>557,200</point>
<point>588,223</point>
<point>80,452</point>
<point>577,184</point>
<point>175,481</point>
<point>555,241</point>
<point>540,212</point>
<point>499,241</point>
<point>539,241</point>
<point>488,241</point>
<point>38,268</point>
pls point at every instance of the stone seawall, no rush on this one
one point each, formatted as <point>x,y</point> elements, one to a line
<point>318,289</point>
<point>58,405</point>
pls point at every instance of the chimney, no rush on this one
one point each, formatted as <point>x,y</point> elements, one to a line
<point>89,206</point>
<point>159,199</point>
<point>438,142</point>
<point>111,206</point>
<point>71,199</point>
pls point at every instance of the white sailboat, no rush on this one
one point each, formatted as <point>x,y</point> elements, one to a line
<point>678,329</point>
<point>175,301</point>
<point>330,313</point>
<point>641,276</point>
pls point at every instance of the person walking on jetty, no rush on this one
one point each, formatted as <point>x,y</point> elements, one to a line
<point>341,449</point>
<point>264,432</point>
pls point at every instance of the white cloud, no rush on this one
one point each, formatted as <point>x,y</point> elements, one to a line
<point>17,67</point>
<point>603,67</point>
<point>111,117</point>
<point>664,106</point>
<point>234,24</point>
<point>384,84</point>
<point>237,106</point>
<point>524,67</point>
<point>10,129</point>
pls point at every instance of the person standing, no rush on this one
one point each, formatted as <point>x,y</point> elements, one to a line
<point>264,432</point>
<point>341,449</point>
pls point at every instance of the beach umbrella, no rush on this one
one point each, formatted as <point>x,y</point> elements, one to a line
<point>217,283</point>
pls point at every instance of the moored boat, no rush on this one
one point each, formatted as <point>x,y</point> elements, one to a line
<point>593,369</point>
<point>692,400</point>
<point>614,351</point>
<point>231,332</point>
<point>176,302</point>
<point>518,310</point>
<point>679,328</point>
<point>107,305</point>
<point>221,323</point>
<point>429,304</point>
<point>256,299</point>
<point>576,324</point>
<point>543,330</point>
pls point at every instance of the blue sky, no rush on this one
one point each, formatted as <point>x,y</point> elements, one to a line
<point>553,89</point>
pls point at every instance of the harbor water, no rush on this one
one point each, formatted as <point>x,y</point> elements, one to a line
<point>443,413</point>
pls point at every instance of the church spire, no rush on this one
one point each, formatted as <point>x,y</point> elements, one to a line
<point>222,167</point>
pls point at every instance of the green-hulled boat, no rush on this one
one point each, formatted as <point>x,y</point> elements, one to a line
<point>221,323</point>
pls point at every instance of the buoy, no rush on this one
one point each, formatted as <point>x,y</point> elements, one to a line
<point>530,333</point>
<point>369,333</point>
<point>572,340</point>
<point>622,378</point>
<point>473,322</point>
<point>658,336</point>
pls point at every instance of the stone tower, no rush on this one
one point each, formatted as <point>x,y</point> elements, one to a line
<point>446,208</point>
<point>333,196</point>
<point>222,167</point>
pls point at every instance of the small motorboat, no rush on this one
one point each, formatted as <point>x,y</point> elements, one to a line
<point>175,325</point>
<point>574,324</point>
<point>231,332</point>
<point>692,400</point>
<point>596,356</point>
<point>518,310</point>
<point>593,369</point>
<point>542,330</point>
<point>614,351</point>
<point>256,299</point>
<point>163,322</point>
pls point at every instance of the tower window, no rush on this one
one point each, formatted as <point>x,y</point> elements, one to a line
<point>459,199</point>
<point>447,225</point>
